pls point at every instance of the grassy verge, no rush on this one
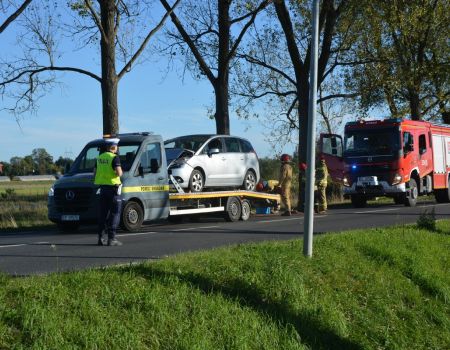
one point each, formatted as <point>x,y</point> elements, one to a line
<point>23,205</point>
<point>372,289</point>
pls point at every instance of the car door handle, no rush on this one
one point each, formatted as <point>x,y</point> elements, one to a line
<point>161,178</point>
<point>224,158</point>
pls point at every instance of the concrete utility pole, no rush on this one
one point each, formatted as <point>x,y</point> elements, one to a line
<point>308,225</point>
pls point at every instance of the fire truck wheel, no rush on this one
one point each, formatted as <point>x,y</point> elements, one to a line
<point>443,196</point>
<point>359,201</point>
<point>246,208</point>
<point>132,216</point>
<point>411,200</point>
<point>233,209</point>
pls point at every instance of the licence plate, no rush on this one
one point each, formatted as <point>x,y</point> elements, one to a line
<point>367,179</point>
<point>70,217</point>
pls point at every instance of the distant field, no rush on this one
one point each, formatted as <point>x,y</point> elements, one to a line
<point>27,188</point>
<point>23,205</point>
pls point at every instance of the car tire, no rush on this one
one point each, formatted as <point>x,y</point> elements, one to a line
<point>411,201</point>
<point>197,181</point>
<point>132,216</point>
<point>249,183</point>
<point>245,210</point>
<point>359,201</point>
<point>233,209</point>
<point>68,226</point>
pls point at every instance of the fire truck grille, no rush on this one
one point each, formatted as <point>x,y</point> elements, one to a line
<point>382,173</point>
<point>72,200</point>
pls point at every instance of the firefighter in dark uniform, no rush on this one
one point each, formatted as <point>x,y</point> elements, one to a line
<point>285,183</point>
<point>321,183</point>
<point>107,175</point>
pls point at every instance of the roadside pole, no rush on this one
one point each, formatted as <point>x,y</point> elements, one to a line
<point>308,225</point>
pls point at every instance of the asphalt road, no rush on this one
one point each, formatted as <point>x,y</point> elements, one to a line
<point>42,252</point>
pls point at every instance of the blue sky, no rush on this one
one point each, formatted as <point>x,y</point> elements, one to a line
<point>149,100</point>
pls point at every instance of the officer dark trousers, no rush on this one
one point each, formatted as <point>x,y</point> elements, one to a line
<point>110,207</point>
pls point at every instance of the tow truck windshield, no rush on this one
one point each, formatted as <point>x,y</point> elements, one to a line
<point>371,142</point>
<point>85,162</point>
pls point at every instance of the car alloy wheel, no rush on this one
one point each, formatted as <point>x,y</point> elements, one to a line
<point>196,183</point>
<point>249,181</point>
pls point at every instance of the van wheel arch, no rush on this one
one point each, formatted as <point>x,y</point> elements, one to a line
<point>133,214</point>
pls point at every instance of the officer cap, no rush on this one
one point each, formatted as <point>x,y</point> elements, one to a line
<point>111,141</point>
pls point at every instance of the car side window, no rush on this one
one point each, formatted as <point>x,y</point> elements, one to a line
<point>246,146</point>
<point>214,143</point>
<point>151,151</point>
<point>232,145</point>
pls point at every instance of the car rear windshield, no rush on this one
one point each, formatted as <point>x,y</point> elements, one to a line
<point>192,143</point>
<point>85,162</point>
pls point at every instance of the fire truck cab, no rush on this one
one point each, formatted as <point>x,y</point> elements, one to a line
<point>396,158</point>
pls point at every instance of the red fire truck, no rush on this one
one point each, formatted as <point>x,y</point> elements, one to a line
<point>396,158</point>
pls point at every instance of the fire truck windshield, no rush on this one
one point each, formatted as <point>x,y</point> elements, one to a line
<point>371,142</point>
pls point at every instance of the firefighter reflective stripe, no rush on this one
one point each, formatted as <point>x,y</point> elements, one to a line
<point>154,188</point>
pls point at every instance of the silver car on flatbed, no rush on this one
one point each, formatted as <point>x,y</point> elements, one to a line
<point>212,161</point>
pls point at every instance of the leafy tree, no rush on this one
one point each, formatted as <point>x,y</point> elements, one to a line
<point>22,166</point>
<point>114,27</point>
<point>43,162</point>
<point>276,61</point>
<point>209,33</point>
<point>406,43</point>
<point>62,163</point>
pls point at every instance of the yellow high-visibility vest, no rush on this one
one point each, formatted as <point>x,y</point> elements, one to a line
<point>105,174</point>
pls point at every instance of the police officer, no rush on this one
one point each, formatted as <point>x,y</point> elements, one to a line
<point>107,175</point>
<point>285,183</point>
<point>321,183</point>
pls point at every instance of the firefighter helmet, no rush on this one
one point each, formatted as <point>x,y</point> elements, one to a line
<point>285,158</point>
<point>259,187</point>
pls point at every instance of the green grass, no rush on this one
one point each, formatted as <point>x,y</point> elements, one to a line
<point>368,289</point>
<point>23,205</point>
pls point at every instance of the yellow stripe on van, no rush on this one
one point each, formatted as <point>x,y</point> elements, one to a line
<point>156,188</point>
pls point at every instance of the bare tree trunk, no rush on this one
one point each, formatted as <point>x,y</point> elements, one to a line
<point>414,104</point>
<point>221,87</point>
<point>109,77</point>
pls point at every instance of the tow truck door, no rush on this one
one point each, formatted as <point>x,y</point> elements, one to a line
<point>331,148</point>
<point>149,180</point>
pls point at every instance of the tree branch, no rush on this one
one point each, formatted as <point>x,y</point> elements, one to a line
<point>96,19</point>
<point>127,66</point>
<point>16,14</point>
<point>187,39</point>
<point>50,68</point>
<point>247,25</point>
<point>329,97</point>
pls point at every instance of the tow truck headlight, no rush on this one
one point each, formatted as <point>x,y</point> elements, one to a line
<point>397,179</point>
<point>51,192</point>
